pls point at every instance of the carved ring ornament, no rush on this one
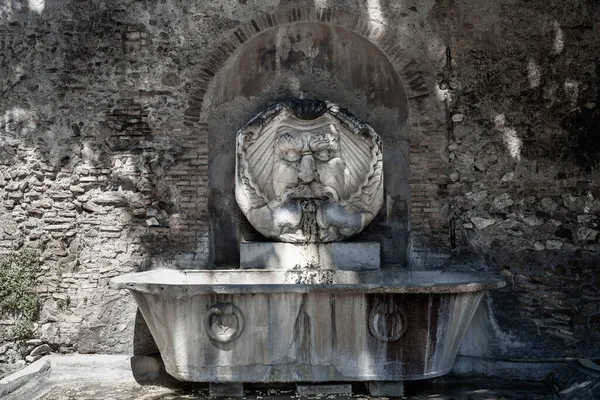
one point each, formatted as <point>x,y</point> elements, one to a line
<point>224,322</point>
<point>308,171</point>
<point>387,322</point>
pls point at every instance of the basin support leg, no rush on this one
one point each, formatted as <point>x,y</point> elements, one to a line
<point>229,389</point>
<point>312,389</point>
<point>387,388</point>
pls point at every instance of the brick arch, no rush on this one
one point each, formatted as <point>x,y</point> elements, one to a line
<point>408,69</point>
<point>426,126</point>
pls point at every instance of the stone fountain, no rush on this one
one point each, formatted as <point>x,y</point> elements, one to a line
<point>310,305</point>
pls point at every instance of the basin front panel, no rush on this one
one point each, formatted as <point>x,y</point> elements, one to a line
<point>313,336</point>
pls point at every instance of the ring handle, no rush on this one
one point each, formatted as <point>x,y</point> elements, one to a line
<point>387,322</point>
<point>224,322</point>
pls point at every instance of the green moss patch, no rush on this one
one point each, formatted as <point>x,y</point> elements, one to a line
<point>18,278</point>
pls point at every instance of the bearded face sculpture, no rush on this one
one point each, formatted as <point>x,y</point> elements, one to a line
<point>307,172</point>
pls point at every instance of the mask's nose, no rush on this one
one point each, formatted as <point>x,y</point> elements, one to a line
<point>307,171</point>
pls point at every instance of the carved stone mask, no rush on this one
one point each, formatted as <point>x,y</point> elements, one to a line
<point>307,171</point>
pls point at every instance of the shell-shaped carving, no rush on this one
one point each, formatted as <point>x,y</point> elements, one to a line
<point>308,171</point>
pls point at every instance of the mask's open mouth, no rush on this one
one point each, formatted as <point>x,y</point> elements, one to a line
<point>311,192</point>
<point>314,197</point>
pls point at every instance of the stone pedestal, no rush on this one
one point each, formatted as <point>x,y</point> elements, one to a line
<point>229,389</point>
<point>308,389</point>
<point>354,256</point>
<point>386,388</point>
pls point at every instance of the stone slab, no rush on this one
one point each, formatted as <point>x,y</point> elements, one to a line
<point>93,367</point>
<point>386,388</point>
<point>234,389</point>
<point>42,375</point>
<point>31,372</point>
<point>506,369</point>
<point>579,380</point>
<point>354,256</point>
<point>307,389</point>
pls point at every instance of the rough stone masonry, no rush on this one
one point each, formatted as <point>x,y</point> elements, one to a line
<point>111,120</point>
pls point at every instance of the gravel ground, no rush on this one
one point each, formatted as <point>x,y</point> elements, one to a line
<point>446,389</point>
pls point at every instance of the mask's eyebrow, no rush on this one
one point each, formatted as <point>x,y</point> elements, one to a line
<point>323,141</point>
<point>288,141</point>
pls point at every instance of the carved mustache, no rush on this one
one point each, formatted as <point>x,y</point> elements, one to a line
<point>311,190</point>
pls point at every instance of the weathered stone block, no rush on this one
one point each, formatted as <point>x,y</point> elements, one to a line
<point>482,223</point>
<point>586,234</point>
<point>339,255</point>
<point>31,359</point>
<point>554,244</point>
<point>477,197</point>
<point>503,201</point>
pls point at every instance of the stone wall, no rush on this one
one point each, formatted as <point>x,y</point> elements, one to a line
<point>108,124</point>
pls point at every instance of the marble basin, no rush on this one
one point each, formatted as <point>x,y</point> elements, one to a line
<point>307,325</point>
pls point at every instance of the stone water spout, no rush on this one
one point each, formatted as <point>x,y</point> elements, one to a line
<point>311,304</point>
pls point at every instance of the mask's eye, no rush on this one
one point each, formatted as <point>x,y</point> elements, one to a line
<point>323,155</point>
<point>291,155</point>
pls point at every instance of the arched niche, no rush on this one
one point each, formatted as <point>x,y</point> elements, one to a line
<point>307,60</point>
